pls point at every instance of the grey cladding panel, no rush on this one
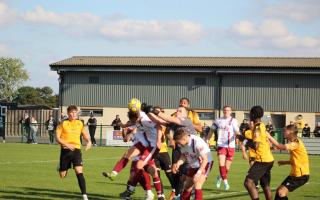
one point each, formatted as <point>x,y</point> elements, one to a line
<point>115,89</point>
<point>298,93</point>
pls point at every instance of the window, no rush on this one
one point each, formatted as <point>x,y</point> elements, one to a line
<point>88,112</point>
<point>3,110</point>
<point>200,81</point>
<point>246,116</point>
<point>317,119</point>
<point>94,79</point>
<point>206,115</point>
<point>233,115</point>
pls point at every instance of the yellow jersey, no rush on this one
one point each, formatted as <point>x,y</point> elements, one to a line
<point>70,132</point>
<point>249,135</point>
<point>192,115</point>
<point>298,158</point>
<point>164,147</point>
<point>263,152</point>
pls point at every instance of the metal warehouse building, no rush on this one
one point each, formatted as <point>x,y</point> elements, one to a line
<point>284,87</point>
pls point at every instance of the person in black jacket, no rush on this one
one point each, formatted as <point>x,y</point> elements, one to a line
<point>92,125</point>
<point>51,126</point>
<point>316,131</point>
<point>116,123</point>
<point>306,131</point>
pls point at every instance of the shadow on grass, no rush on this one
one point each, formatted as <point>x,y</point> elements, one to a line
<point>29,193</point>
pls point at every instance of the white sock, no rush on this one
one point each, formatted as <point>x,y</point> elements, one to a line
<point>149,192</point>
<point>225,181</point>
<point>85,197</point>
<point>131,188</point>
<point>114,173</point>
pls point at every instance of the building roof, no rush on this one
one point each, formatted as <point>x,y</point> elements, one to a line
<point>291,62</point>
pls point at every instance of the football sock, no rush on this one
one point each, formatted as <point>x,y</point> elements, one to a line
<point>82,183</point>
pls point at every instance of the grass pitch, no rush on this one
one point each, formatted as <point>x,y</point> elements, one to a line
<point>29,172</point>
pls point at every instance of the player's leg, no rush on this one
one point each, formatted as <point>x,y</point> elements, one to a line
<point>222,166</point>
<point>229,159</point>
<point>265,181</point>
<point>177,182</point>
<point>251,161</point>
<point>254,174</point>
<point>281,193</point>
<point>290,184</point>
<point>64,163</point>
<point>186,194</point>
<point>152,170</point>
<point>165,164</point>
<point>122,163</point>
<point>78,168</point>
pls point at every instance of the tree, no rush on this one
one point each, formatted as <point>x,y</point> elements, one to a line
<point>12,75</point>
<point>35,96</point>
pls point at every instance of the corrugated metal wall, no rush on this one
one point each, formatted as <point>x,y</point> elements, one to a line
<point>115,89</point>
<point>299,93</point>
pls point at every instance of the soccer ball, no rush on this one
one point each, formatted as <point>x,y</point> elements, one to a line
<point>134,105</point>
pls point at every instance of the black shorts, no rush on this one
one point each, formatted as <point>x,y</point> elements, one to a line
<point>260,171</point>
<point>163,161</point>
<point>292,182</point>
<point>176,154</point>
<point>67,157</point>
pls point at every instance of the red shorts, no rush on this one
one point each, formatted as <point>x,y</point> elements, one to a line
<point>228,152</point>
<point>149,154</point>
<point>192,171</point>
<point>140,147</point>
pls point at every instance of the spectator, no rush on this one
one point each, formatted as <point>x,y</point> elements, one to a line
<point>51,125</point>
<point>25,122</point>
<point>244,126</point>
<point>292,123</point>
<point>92,125</point>
<point>116,123</point>
<point>33,130</point>
<point>63,117</point>
<point>269,128</point>
<point>316,131</point>
<point>299,124</point>
<point>306,131</point>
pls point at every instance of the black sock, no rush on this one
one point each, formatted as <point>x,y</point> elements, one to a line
<point>170,178</point>
<point>82,183</point>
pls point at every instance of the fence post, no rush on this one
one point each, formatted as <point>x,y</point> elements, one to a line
<point>100,134</point>
<point>22,133</point>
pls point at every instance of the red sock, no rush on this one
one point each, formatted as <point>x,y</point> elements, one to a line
<point>122,163</point>
<point>185,195</point>
<point>145,181</point>
<point>157,185</point>
<point>198,194</point>
<point>223,172</point>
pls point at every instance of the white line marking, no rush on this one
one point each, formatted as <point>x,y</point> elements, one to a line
<point>51,161</point>
<point>231,193</point>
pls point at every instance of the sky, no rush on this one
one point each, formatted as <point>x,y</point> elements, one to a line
<point>42,32</point>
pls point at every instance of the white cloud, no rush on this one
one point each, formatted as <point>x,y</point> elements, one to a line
<point>271,33</point>
<point>4,51</point>
<point>128,29</point>
<point>7,15</point>
<point>245,28</point>
<point>273,28</point>
<point>118,28</point>
<point>297,10</point>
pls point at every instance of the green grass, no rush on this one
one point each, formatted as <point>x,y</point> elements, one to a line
<point>29,172</point>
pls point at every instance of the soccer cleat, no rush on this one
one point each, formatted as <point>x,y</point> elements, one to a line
<point>126,194</point>
<point>85,197</point>
<point>109,175</point>
<point>149,196</point>
<point>218,181</point>
<point>226,186</point>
